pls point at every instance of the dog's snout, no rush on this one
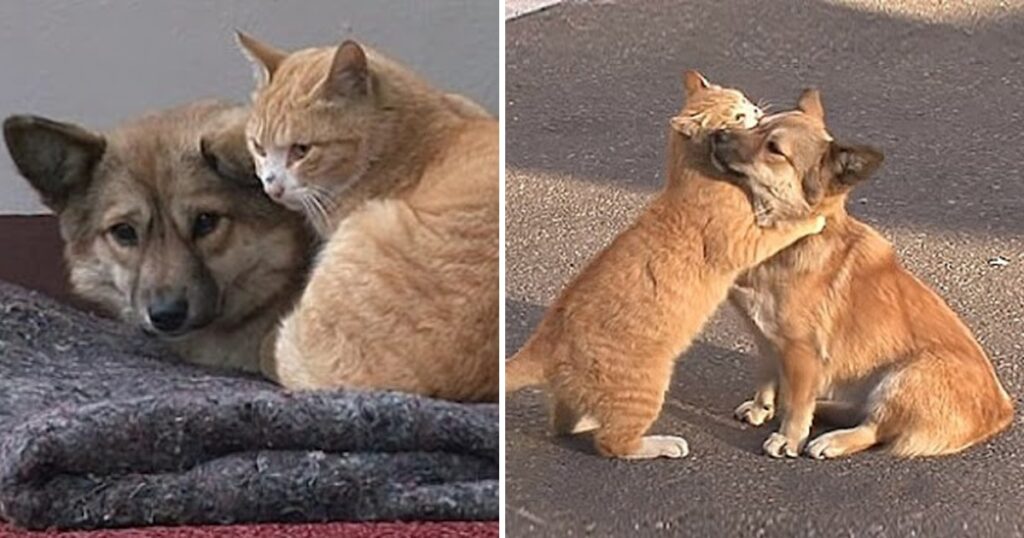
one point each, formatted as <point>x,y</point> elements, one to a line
<point>720,137</point>
<point>168,314</point>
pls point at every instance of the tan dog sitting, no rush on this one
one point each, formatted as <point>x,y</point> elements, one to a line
<point>837,316</point>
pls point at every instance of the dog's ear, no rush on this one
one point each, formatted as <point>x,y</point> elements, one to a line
<point>56,158</point>
<point>810,104</point>
<point>851,164</point>
<point>225,152</point>
<point>265,58</point>
<point>694,82</point>
<point>687,126</point>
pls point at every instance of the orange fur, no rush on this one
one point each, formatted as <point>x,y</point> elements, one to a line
<point>606,348</point>
<point>837,316</point>
<point>401,180</point>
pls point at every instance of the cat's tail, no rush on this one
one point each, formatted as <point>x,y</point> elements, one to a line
<point>524,369</point>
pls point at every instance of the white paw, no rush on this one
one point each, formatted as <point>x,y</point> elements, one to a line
<point>780,446</point>
<point>671,446</point>
<point>819,224</point>
<point>586,424</point>
<point>754,414</point>
<point>662,446</point>
<point>825,447</point>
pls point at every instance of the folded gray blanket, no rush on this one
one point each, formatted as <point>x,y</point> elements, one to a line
<point>97,431</point>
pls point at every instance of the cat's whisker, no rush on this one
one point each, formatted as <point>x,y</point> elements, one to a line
<point>318,214</point>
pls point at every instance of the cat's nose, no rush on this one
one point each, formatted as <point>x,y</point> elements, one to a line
<point>274,190</point>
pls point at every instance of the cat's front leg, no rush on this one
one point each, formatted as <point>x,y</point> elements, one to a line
<point>772,240</point>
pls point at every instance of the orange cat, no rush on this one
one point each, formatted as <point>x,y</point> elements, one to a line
<point>607,347</point>
<point>401,180</point>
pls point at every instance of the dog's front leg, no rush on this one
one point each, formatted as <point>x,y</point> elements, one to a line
<point>761,409</point>
<point>798,389</point>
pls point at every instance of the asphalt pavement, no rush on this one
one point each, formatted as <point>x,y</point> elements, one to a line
<point>939,86</point>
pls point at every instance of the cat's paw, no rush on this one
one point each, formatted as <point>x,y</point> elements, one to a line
<point>753,413</point>
<point>780,446</point>
<point>661,446</point>
<point>819,224</point>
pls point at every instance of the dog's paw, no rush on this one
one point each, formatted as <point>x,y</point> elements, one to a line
<point>780,446</point>
<point>822,448</point>
<point>754,414</point>
<point>840,443</point>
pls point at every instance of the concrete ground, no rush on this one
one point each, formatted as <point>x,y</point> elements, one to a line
<point>938,85</point>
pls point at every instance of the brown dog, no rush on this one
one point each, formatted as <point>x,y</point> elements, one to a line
<point>837,316</point>
<point>166,227</point>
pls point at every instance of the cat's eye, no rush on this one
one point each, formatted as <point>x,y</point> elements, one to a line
<point>297,152</point>
<point>740,116</point>
<point>773,147</point>
<point>258,148</point>
<point>124,234</point>
<point>204,224</point>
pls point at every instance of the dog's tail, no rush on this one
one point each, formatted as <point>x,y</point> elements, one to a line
<point>524,369</point>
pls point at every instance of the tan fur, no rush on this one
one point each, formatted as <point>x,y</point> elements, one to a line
<point>402,182</point>
<point>606,348</point>
<point>838,317</point>
<point>157,174</point>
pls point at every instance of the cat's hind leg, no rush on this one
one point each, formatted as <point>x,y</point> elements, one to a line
<point>566,420</point>
<point>624,422</point>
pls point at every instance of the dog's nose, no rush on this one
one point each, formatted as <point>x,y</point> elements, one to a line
<point>720,137</point>
<point>168,315</point>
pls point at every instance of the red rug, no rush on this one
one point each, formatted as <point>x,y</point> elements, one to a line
<point>278,530</point>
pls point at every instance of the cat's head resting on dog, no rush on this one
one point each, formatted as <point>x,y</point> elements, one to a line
<point>709,107</point>
<point>163,220</point>
<point>797,145</point>
<point>319,117</point>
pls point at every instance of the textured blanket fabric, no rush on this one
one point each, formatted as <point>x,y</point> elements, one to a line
<point>450,529</point>
<point>97,431</point>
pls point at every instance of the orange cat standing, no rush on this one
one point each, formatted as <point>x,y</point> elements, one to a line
<point>402,182</point>
<point>606,349</point>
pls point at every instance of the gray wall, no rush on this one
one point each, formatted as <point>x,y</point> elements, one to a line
<point>98,62</point>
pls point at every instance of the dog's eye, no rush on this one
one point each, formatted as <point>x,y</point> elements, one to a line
<point>258,148</point>
<point>297,152</point>
<point>124,234</point>
<point>773,147</point>
<point>205,224</point>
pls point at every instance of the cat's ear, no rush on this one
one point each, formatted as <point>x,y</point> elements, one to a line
<point>56,158</point>
<point>265,58</point>
<point>687,126</point>
<point>224,150</point>
<point>350,74</point>
<point>694,82</point>
<point>810,104</point>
